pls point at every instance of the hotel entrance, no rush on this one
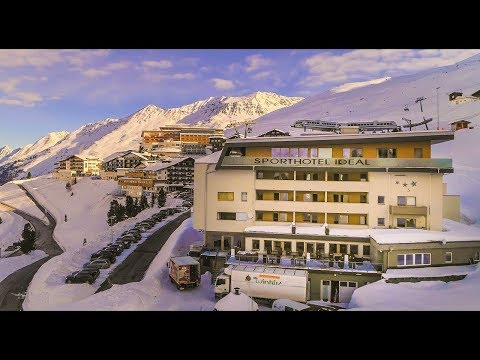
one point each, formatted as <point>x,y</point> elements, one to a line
<point>337,291</point>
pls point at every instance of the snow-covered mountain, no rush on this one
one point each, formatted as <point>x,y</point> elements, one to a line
<point>220,111</point>
<point>105,137</point>
<point>4,151</point>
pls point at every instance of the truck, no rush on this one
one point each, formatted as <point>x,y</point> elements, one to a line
<point>263,282</point>
<point>184,271</point>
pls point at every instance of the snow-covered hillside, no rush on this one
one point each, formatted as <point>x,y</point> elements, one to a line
<point>4,151</point>
<point>220,111</point>
<point>102,138</point>
<point>388,99</point>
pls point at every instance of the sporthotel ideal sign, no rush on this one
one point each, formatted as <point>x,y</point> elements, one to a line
<point>336,162</point>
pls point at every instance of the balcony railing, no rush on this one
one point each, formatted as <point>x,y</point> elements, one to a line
<point>303,263</point>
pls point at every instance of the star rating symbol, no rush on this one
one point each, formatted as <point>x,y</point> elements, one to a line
<point>414,183</point>
<point>397,182</point>
<point>405,184</point>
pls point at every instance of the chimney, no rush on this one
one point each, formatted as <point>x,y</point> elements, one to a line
<point>237,291</point>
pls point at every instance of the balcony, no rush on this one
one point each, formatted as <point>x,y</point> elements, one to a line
<point>408,210</point>
<point>300,262</point>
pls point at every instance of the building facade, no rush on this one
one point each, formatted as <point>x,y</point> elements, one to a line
<point>325,196</point>
<point>125,159</point>
<point>75,165</point>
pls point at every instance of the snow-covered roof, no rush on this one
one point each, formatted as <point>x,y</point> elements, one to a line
<point>429,271</point>
<point>209,159</point>
<point>234,302</point>
<point>457,121</point>
<point>114,156</point>
<point>185,260</point>
<point>453,232</point>
<point>164,165</point>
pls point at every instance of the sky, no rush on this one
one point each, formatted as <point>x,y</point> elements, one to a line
<point>53,89</point>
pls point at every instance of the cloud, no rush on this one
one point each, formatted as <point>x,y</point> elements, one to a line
<point>189,61</point>
<point>105,70</point>
<point>46,57</point>
<point>8,86</point>
<point>257,61</point>
<point>222,84</point>
<point>328,67</point>
<point>161,64</point>
<point>27,99</point>
<point>261,75</point>
<point>183,76</point>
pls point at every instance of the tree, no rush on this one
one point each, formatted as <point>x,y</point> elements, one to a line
<point>152,202</point>
<point>136,207</point>
<point>65,217</point>
<point>116,213</point>
<point>129,207</point>
<point>29,175</point>
<point>120,212</point>
<point>1,220</point>
<point>162,198</point>
<point>143,202</point>
<point>68,186</point>
<point>28,242</point>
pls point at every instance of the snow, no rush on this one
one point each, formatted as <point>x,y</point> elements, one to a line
<point>429,271</point>
<point>209,159</point>
<point>453,231</point>
<point>105,137</point>
<point>4,151</point>
<point>12,195</point>
<point>11,264</point>
<point>234,302</point>
<point>356,85</point>
<point>48,289</point>
<point>154,292</point>
<point>86,210</point>
<point>10,229</point>
<point>426,295</point>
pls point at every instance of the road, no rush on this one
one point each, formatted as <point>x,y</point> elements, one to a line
<point>133,268</point>
<point>17,282</point>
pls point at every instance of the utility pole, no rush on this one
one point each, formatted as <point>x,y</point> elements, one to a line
<point>438,111</point>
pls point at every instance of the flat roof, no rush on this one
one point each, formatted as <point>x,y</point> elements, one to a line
<point>435,136</point>
<point>452,232</point>
<point>428,272</point>
<point>184,260</point>
<point>209,159</point>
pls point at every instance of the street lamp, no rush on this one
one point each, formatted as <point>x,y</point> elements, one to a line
<point>438,112</point>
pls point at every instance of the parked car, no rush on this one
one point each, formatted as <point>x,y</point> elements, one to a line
<point>80,277</point>
<point>131,231</point>
<point>98,264</point>
<point>130,238</point>
<point>125,242</point>
<point>117,249</point>
<point>104,254</point>
<point>94,272</point>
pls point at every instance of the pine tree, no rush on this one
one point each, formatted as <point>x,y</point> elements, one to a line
<point>152,201</point>
<point>162,198</point>
<point>120,211</point>
<point>130,209</point>
<point>1,220</point>
<point>29,175</point>
<point>111,213</point>
<point>28,242</point>
<point>136,207</point>
<point>143,202</point>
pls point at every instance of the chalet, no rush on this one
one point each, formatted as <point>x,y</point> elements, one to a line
<point>459,125</point>
<point>76,165</point>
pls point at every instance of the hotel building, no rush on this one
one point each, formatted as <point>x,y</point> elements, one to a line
<point>336,197</point>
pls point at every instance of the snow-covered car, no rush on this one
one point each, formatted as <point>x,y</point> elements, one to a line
<point>80,277</point>
<point>98,264</point>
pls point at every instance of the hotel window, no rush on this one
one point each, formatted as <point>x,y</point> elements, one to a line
<point>282,217</point>
<point>315,197</point>
<point>259,196</point>
<point>284,152</point>
<point>314,218</point>
<point>226,216</point>
<point>448,257</point>
<point>303,152</point>
<point>340,219</point>
<point>259,215</point>
<point>306,217</point>
<point>363,199</point>
<point>307,197</point>
<point>357,152</point>
<point>276,152</point>
<point>418,152</point>
<point>340,198</point>
<point>387,153</point>
<point>413,259</point>
<point>244,196</point>
<point>381,221</point>
<point>227,240</point>
<point>283,196</point>
<point>406,200</point>
<point>325,153</point>
<point>313,152</point>
<point>293,152</point>
<point>275,216</point>
<point>363,220</point>
<point>259,174</point>
<point>225,196</point>
<point>363,177</point>
<point>366,250</point>
<point>343,248</point>
<point>381,200</point>
<point>340,177</point>
<point>403,222</point>
<point>276,196</point>
<point>353,249</point>
<point>255,244</point>
<point>346,153</point>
